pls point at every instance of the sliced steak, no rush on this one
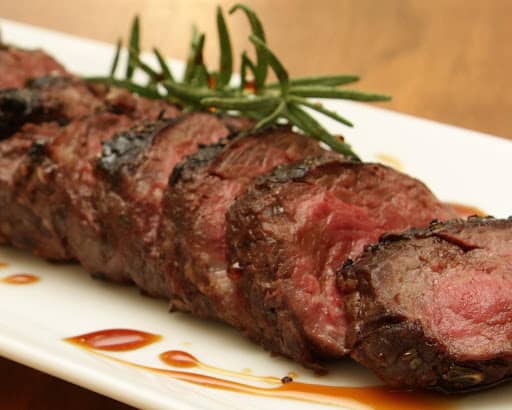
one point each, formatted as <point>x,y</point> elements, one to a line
<point>46,99</point>
<point>135,168</point>
<point>56,183</point>
<point>18,65</point>
<point>291,230</point>
<point>201,191</point>
<point>51,102</point>
<point>433,308</point>
<point>16,220</point>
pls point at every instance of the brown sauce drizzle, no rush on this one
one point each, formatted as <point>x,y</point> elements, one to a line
<point>20,279</point>
<point>466,210</point>
<point>179,358</point>
<point>116,340</point>
<point>379,398</point>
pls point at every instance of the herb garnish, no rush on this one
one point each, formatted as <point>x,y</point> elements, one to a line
<point>267,103</point>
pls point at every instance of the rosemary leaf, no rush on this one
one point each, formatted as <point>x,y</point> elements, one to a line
<point>255,115</point>
<point>242,103</point>
<point>246,65</point>
<point>329,92</point>
<point>166,72</point>
<point>277,67</point>
<point>188,93</point>
<point>308,124</point>
<point>115,62</point>
<point>272,117</point>
<point>133,44</point>
<point>138,63</point>
<point>226,54</point>
<point>318,107</point>
<point>261,69</point>
<point>324,80</point>
<point>127,84</point>
<point>195,57</point>
<point>200,76</point>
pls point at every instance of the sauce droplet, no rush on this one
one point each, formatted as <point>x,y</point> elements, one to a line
<point>178,358</point>
<point>466,210</point>
<point>20,279</point>
<point>115,339</point>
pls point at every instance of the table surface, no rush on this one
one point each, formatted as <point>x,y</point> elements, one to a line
<point>448,60</point>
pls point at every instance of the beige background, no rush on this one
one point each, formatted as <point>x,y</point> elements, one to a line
<point>449,60</point>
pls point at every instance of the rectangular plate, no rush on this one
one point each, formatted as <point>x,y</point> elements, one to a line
<point>458,165</point>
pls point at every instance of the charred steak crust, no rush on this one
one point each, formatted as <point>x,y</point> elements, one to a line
<point>431,308</point>
<point>18,106</point>
<point>292,229</point>
<point>201,191</point>
<point>135,167</point>
<point>127,147</point>
<point>187,168</point>
<point>46,99</point>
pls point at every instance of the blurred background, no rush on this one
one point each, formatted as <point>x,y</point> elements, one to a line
<point>448,60</point>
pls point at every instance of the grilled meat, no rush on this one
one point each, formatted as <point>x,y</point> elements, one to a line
<point>84,174</point>
<point>201,191</point>
<point>47,99</point>
<point>18,65</point>
<point>291,230</point>
<point>52,183</point>
<point>432,308</point>
<point>134,169</point>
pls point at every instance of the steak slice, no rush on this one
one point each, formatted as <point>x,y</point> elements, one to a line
<point>18,65</point>
<point>291,230</point>
<point>433,308</point>
<point>55,182</point>
<point>46,99</point>
<point>134,168</point>
<point>201,191</point>
<point>16,220</point>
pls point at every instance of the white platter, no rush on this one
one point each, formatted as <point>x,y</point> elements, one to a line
<point>459,165</point>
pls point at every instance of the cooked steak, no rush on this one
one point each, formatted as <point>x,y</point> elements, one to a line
<point>432,308</point>
<point>135,168</point>
<point>17,66</point>
<point>201,191</point>
<point>55,181</point>
<point>17,222</point>
<point>46,99</point>
<point>291,230</point>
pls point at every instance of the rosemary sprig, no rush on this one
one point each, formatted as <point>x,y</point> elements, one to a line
<point>285,100</point>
